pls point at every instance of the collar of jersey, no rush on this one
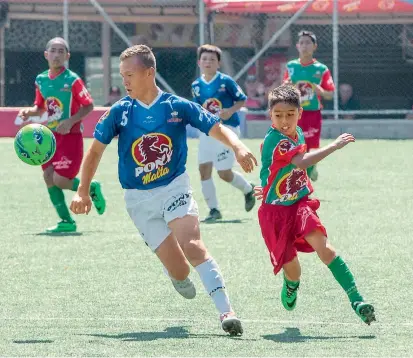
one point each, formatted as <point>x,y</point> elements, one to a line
<point>55,76</point>
<point>147,106</point>
<point>212,79</point>
<point>286,136</point>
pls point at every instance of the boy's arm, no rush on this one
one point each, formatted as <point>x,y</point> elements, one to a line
<point>81,203</point>
<point>226,113</point>
<point>305,160</point>
<point>244,156</point>
<point>38,108</point>
<point>326,88</point>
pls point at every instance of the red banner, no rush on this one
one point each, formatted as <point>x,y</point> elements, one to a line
<point>318,6</point>
<point>10,124</point>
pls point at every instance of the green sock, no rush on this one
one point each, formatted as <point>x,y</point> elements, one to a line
<point>75,185</point>
<point>292,284</point>
<point>345,278</point>
<point>58,199</point>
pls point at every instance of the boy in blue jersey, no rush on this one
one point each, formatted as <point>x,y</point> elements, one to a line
<point>219,94</point>
<point>152,149</point>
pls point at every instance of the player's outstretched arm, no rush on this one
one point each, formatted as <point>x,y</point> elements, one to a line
<point>34,111</point>
<point>303,161</point>
<point>82,203</point>
<point>244,156</point>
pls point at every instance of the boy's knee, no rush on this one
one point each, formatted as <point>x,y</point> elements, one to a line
<point>226,175</point>
<point>195,251</point>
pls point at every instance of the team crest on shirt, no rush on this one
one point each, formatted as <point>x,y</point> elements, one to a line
<point>174,118</point>
<point>152,152</point>
<point>284,146</point>
<point>54,108</point>
<point>290,185</point>
<point>212,105</point>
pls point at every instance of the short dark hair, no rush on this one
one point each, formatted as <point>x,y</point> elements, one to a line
<point>285,93</point>
<point>310,34</point>
<point>209,49</point>
<point>59,40</point>
<point>144,53</point>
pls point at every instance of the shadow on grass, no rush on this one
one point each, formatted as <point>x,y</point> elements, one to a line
<point>293,335</point>
<point>177,332</point>
<point>59,234</point>
<point>33,341</point>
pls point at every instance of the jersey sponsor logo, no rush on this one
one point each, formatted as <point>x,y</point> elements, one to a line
<point>284,146</point>
<point>152,152</point>
<point>54,109</point>
<point>212,105</point>
<point>222,88</point>
<point>289,186</point>
<point>306,91</point>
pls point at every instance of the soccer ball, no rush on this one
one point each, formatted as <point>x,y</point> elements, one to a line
<point>35,144</point>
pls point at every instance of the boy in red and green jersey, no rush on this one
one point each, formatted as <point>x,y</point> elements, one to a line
<point>287,216</point>
<point>314,81</point>
<point>64,96</point>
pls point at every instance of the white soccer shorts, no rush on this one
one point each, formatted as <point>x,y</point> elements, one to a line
<point>151,210</point>
<point>212,150</point>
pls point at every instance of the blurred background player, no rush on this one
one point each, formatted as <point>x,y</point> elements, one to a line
<point>287,216</point>
<point>64,96</point>
<point>313,80</point>
<point>221,95</point>
<point>115,95</point>
<point>152,160</point>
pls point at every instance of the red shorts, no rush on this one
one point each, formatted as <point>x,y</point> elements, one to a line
<point>69,154</point>
<point>285,227</point>
<point>310,123</point>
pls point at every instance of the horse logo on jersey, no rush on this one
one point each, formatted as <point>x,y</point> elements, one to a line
<point>284,146</point>
<point>306,91</point>
<point>54,111</point>
<point>212,105</point>
<point>290,184</point>
<point>152,152</point>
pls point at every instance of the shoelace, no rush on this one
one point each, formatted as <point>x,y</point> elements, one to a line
<point>291,290</point>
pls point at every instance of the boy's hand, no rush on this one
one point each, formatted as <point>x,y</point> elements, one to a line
<point>64,127</point>
<point>225,114</point>
<point>24,114</point>
<point>245,158</point>
<point>343,140</point>
<point>81,204</point>
<point>258,192</point>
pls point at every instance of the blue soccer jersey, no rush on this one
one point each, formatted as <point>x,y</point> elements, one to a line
<point>152,145</point>
<point>219,93</point>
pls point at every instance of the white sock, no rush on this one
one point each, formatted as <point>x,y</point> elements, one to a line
<point>214,284</point>
<point>210,194</point>
<point>240,183</point>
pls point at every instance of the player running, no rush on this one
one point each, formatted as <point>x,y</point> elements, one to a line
<point>63,95</point>
<point>152,148</point>
<point>314,81</point>
<point>219,94</point>
<point>287,216</point>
